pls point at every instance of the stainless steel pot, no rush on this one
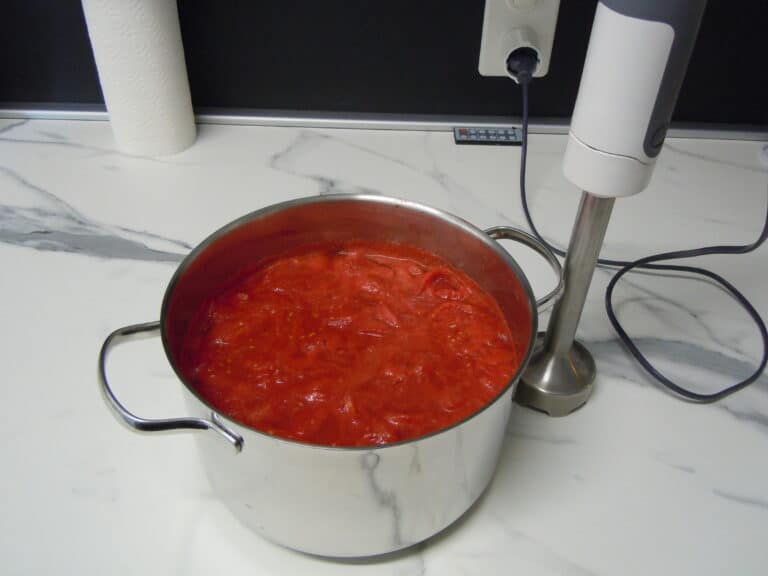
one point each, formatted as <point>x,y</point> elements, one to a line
<point>343,501</point>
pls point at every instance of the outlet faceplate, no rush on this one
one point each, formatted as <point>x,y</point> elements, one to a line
<point>511,24</point>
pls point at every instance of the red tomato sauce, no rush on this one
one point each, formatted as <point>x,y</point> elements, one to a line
<point>354,344</point>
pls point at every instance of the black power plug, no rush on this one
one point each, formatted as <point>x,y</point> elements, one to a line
<point>522,63</point>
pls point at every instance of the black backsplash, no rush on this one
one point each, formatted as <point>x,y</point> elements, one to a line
<point>405,57</point>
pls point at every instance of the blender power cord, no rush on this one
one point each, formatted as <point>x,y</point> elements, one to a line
<point>518,69</point>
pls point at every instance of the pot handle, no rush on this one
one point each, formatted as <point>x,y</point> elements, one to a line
<point>509,233</point>
<point>143,424</point>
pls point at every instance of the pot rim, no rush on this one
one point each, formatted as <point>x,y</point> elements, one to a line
<point>457,221</point>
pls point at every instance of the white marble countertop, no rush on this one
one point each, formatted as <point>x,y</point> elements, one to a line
<point>636,482</point>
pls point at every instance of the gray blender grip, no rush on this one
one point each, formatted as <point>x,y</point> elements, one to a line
<point>684,17</point>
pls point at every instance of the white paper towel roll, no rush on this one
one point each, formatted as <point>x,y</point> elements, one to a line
<point>140,58</point>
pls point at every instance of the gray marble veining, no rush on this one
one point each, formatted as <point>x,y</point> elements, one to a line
<point>386,498</point>
<point>757,503</point>
<point>538,552</point>
<point>289,160</point>
<point>43,221</point>
<point>665,459</point>
<point>752,416</point>
<point>656,304</point>
<point>56,139</point>
<point>713,159</point>
<point>305,142</point>
<point>12,126</point>
<point>669,353</point>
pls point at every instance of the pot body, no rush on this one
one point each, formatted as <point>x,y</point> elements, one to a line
<point>336,501</point>
<point>354,502</point>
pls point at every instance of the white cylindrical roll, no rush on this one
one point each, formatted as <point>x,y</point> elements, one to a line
<point>140,59</point>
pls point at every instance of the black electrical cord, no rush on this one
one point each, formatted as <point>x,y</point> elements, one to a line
<point>647,263</point>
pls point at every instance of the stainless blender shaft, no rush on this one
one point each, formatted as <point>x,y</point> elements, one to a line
<point>561,371</point>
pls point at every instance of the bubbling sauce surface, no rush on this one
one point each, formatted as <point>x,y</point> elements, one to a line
<point>353,344</point>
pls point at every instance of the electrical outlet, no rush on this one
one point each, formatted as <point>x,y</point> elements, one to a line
<point>511,24</point>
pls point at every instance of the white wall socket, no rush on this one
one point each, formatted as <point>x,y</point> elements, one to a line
<point>511,24</point>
